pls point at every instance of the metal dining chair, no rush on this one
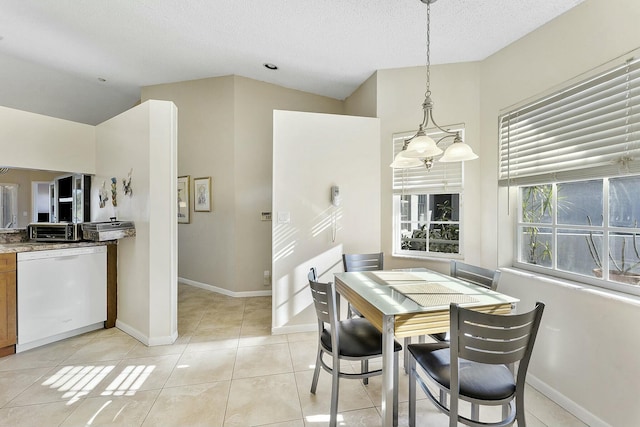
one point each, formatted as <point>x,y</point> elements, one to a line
<point>361,262</point>
<point>369,262</point>
<point>481,276</point>
<point>477,365</point>
<point>351,339</point>
<point>366,262</point>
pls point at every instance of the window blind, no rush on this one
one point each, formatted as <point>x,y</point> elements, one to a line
<point>587,130</point>
<point>441,178</point>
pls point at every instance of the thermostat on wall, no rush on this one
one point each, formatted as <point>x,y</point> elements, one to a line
<point>265,216</point>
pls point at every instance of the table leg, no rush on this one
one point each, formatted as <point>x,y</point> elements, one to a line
<point>389,373</point>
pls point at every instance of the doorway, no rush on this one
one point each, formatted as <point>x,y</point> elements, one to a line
<point>41,201</point>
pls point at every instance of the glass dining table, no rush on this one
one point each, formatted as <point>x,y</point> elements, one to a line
<point>406,303</point>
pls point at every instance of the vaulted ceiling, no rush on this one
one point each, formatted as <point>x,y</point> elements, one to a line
<point>86,60</point>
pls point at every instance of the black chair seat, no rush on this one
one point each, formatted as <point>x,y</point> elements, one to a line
<point>477,380</point>
<point>444,336</point>
<point>358,338</point>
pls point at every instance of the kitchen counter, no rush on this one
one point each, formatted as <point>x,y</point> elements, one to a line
<point>29,246</point>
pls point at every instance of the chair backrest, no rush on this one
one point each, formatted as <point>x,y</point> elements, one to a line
<point>474,274</point>
<point>313,274</point>
<point>324,300</point>
<point>493,338</point>
<point>363,262</point>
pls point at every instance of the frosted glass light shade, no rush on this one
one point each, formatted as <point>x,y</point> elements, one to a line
<point>458,152</point>
<point>422,146</point>
<point>403,162</point>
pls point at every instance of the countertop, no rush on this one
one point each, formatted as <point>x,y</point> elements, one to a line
<point>29,246</point>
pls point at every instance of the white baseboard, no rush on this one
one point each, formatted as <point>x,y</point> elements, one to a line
<point>144,339</point>
<point>166,340</point>
<point>266,293</point>
<point>578,411</point>
<point>130,330</point>
<point>294,329</point>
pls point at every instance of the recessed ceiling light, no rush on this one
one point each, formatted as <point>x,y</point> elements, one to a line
<point>270,66</point>
<point>101,80</point>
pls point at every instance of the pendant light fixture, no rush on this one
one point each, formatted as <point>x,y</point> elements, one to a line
<point>420,149</point>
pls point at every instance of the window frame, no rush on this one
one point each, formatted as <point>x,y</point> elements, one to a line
<point>428,188</point>
<point>605,231</point>
<point>585,129</point>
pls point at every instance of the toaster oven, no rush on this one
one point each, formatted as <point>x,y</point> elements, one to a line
<point>54,232</point>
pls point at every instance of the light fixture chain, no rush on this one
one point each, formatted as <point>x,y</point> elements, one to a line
<point>428,91</point>
<point>421,146</point>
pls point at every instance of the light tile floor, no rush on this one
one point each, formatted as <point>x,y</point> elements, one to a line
<point>225,369</point>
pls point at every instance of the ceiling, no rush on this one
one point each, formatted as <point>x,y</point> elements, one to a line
<point>54,53</point>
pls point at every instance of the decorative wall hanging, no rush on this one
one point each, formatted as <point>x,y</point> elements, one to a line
<point>202,194</point>
<point>103,194</point>
<point>114,191</point>
<point>126,185</point>
<point>183,199</point>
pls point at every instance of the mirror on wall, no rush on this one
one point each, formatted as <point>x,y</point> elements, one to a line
<point>25,196</point>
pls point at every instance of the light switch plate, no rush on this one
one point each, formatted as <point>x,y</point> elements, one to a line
<point>284,217</point>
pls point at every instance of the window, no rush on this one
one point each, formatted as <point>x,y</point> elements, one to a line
<point>589,229</point>
<point>574,156</point>
<point>427,206</point>
<point>8,205</point>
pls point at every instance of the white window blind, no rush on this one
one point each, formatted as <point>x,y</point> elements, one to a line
<point>588,130</point>
<point>442,177</point>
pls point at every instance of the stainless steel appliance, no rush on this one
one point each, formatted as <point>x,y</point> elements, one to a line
<point>107,230</point>
<point>54,232</point>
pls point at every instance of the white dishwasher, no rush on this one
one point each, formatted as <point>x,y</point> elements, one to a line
<point>61,293</point>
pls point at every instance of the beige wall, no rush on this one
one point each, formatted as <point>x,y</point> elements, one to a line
<point>255,103</point>
<point>225,131</point>
<point>456,96</point>
<point>205,148</point>
<point>585,357</point>
<point>363,102</point>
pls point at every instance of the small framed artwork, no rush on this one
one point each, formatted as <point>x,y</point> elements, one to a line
<point>183,199</point>
<point>202,188</point>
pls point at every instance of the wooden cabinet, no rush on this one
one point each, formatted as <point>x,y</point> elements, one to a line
<point>7,304</point>
<point>112,286</point>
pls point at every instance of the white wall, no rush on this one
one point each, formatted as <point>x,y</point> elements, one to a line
<point>586,356</point>
<point>34,141</point>
<point>311,153</point>
<point>143,139</point>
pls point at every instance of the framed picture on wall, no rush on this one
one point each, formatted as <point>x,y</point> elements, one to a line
<point>183,200</point>
<point>202,194</point>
